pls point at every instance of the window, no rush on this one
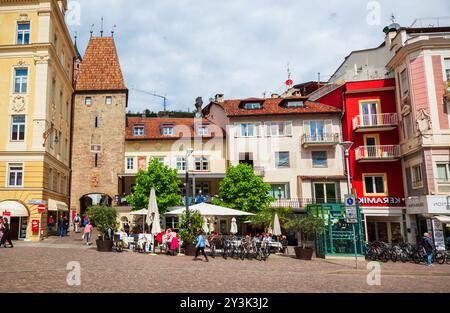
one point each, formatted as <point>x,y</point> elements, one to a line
<point>168,131</point>
<point>201,188</point>
<point>161,159</point>
<point>252,105</point>
<point>61,102</point>
<point>369,111</point>
<point>53,93</point>
<point>66,149</point>
<point>96,160</point>
<point>64,185</point>
<point>63,57</point>
<point>416,175</point>
<point>319,159</point>
<point>404,83</point>
<point>294,104</point>
<point>202,164</point>
<point>248,130</point>
<point>407,126</point>
<point>20,80</point>
<point>181,164</point>
<point>172,223</point>
<point>59,142</point>
<point>138,130</point>
<point>18,128</point>
<point>88,101</point>
<point>447,69</point>
<point>130,163</point>
<point>15,175</point>
<point>108,100</point>
<point>203,130</point>
<point>55,42</point>
<point>279,129</point>
<point>23,33</point>
<point>58,182</point>
<point>50,179</point>
<point>96,122</point>
<point>375,184</point>
<point>279,191</point>
<point>282,159</point>
<point>325,192</point>
<point>52,139</point>
<point>67,113</point>
<point>318,130</point>
<point>443,171</point>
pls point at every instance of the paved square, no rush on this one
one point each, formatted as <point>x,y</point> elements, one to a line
<point>42,268</point>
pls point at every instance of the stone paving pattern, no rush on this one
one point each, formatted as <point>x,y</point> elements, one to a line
<point>31,267</point>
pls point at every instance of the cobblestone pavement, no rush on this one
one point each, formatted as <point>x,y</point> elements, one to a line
<point>41,267</point>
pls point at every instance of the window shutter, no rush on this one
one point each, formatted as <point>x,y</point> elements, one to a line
<point>328,128</point>
<point>237,130</point>
<point>306,128</point>
<point>268,127</point>
<point>288,128</point>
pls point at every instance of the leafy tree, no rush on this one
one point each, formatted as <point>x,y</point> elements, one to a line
<point>190,223</point>
<point>308,226</point>
<point>164,180</point>
<point>102,217</point>
<point>242,190</point>
<point>266,218</point>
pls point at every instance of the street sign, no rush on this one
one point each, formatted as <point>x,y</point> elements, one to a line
<point>350,200</point>
<point>41,208</point>
<point>352,215</point>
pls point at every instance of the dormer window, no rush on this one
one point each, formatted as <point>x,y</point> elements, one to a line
<point>294,104</point>
<point>168,131</point>
<point>138,130</point>
<point>252,105</point>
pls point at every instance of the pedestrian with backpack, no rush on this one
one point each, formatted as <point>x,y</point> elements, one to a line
<point>427,244</point>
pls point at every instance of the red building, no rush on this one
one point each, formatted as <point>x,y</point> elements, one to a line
<point>370,121</point>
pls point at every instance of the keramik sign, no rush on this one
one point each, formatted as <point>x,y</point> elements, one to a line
<point>380,200</point>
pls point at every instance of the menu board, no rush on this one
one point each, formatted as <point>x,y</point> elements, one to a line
<point>439,240</point>
<point>23,228</point>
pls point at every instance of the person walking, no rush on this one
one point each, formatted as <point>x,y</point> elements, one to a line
<point>428,246</point>
<point>201,244</point>
<point>61,226</point>
<point>51,222</point>
<point>6,234</point>
<point>88,233</point>
<point>77,223</point>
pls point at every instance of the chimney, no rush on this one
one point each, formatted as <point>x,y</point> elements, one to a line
<point>275,96</point>
<point>219,98</point>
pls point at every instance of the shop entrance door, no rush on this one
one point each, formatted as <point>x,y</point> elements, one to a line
<point>14,228</point>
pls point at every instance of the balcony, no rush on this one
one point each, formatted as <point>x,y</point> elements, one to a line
<point>378,122</point>
<point>259,171</point>
<point>320,140</point>
<point>377,153</point>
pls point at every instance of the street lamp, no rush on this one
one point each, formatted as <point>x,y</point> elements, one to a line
<point>347,145</point>
<point>188,154</point>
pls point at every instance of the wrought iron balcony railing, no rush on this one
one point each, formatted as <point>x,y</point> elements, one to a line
<point>320,139</point>
<point>377,153</point>
<point>375,121</point>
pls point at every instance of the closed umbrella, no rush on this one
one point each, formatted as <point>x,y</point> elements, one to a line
<point>211,225</point>
<point>234,227</point>
<point>153,215</point>
<point>276,226</point>
<point>205,225</point>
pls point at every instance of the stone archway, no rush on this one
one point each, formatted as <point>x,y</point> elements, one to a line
<point>89,200</point>
<point>19,217</point>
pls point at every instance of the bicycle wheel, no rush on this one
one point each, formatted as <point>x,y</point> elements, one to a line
<point>384,256</point>
<point>440,258</point>
<point>403,257</point>
<point>417,258</point>
<point>394,256</point>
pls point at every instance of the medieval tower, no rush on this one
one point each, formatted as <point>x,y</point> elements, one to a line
<point>98,144</point>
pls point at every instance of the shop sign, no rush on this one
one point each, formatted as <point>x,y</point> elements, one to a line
<point>380,200</point>
<point>35,226</point>
<point>428,205</point>
<point>439,240</point>
<point>41,208</point>
<point>6,214</point>
<point>36,202</point>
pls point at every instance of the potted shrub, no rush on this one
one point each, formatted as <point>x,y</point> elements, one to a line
<point>102,217</point>
<point>308,227</point>
<point>190,223</point>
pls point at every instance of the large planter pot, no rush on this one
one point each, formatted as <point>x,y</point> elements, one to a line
<point>304,253</point>
<point>189,249</point>
<point>104,245</point>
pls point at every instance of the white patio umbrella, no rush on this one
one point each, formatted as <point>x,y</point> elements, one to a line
<point>142,213</point>
<point>276,226</point>
<point>234,227</point>
<point>205,225</point>
<point>153,214</point>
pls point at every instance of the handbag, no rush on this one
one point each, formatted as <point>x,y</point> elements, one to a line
<point>82,237</point>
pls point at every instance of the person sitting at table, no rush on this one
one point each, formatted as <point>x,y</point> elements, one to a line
<point>174,245</point>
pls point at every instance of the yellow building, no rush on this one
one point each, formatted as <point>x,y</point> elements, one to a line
<point>36,71</point>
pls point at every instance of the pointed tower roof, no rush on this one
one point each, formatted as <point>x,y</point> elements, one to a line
<point>100,68</point>
<point>77,52</point>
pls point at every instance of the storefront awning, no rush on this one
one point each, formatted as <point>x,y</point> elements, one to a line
<point>55,206</point>
<point>15,208</point>
<point>445,219</point>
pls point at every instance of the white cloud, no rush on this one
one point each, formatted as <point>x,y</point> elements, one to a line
<point>189,48</point>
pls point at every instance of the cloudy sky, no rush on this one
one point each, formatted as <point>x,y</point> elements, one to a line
<point>189,48</point>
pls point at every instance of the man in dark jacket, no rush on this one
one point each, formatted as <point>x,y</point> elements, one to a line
<point>427,244</point>
<point>6,234</point>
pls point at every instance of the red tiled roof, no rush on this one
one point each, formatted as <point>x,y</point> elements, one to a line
<point>272,106</point>
<point>183,128</point>
<point>100,68</point>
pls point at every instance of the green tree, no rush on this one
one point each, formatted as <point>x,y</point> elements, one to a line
<point>190,223</point>
<point>242,190</point>
<point>102,217</point>
<point>164,180</point>
<point>308,226</point>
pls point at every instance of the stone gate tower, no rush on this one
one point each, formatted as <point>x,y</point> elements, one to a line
<point>98,133</point>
